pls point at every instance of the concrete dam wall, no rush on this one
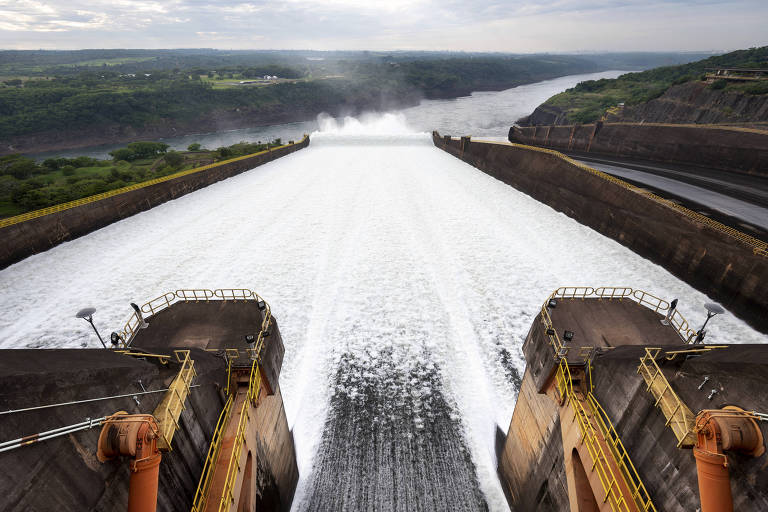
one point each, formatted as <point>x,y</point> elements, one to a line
<point>721,262</point>
<point>726,148</point>
<point>40,230</point>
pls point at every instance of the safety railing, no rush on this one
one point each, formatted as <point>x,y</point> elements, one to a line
<point>601,463</point>
<point>639,493</point>
<point>679,417</point>
<point>170,408</point>
<point>90,199</point>
<point>758,246</point>
<point>158,304</point>
<point>550,331</point>
<point>642,297</point>
<point>233,466</point>
<point>204,486</point>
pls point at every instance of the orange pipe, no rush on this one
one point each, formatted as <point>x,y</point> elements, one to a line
<point>714,481</point>
<point>134,435</point>
<point>142,495</point>
<point>729,428</point>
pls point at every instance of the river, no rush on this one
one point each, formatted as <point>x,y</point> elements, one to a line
<point>482,114</point>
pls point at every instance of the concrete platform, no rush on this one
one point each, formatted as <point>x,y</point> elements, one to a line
<point>608,323</point>
<point>64,474</point>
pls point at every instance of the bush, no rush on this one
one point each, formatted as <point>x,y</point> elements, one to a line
<point>195,146</point>
<point>173,159</point>
<point>68,170</point>
<point>757,88</point>
<point>718,84</point>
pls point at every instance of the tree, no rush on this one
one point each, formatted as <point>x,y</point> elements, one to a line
<point>122,154</point>
<point>173,159</point>
<point>22,168</point>
<point>195,146</point>
<point>68,170</point>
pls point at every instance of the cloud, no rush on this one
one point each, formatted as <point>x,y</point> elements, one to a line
<point>521,26</point>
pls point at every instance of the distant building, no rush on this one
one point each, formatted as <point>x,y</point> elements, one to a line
<point>736,74</point>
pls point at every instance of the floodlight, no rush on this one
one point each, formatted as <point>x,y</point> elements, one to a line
<point>87,315</point>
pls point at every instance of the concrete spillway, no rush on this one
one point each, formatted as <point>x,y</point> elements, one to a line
<point>404,281</point>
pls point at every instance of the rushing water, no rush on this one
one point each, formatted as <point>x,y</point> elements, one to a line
<point>404,281</point>
<point>484,114</point>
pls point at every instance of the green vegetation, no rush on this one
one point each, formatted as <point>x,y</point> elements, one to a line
<point>26,185</point>
<point>588,101</point>
<point>83,91</point>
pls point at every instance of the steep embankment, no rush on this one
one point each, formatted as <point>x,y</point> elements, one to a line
<point>696,102</point>
<point>683,94</point>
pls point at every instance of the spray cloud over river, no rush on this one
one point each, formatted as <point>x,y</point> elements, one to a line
<point>404,282</point>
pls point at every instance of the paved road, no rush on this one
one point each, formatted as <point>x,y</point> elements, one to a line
<point>739,198</point>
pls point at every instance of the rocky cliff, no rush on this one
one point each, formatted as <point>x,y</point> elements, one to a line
<point>688,103</point>
<point>696,102</point>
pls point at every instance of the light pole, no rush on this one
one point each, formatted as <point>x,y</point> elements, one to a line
<point>87,315</point>
<point>712,310</point>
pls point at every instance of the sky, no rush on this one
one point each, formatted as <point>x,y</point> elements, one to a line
<point>518,26</point>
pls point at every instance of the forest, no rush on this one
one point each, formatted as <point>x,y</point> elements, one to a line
<point>79,90</point>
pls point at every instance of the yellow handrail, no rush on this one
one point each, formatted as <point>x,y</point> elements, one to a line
<point>642,297</point>
<point>168,411</point>
<point>90,199</point>
<point>233,466</point>
<point>609,480</point>
<point>204,486</point>
<point>164,301</point>
<point>758,246</point>
<point>679,417</point>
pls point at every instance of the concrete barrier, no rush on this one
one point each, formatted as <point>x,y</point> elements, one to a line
<point>727,148</point>
<point>726,264</point>
<point>41,230</point>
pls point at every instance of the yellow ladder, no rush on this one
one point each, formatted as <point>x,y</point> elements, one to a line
<point>679,417</point>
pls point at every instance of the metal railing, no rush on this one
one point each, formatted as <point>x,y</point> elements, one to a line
<point>170,408</point>
<point>204,487</point>
<point>90,199</point>
<point>679,417</point>
<point>601,462</point>
<point>639,493</point>
<point>233,466</point>
<point>642,297</point>
<point>759,247</point>
<point>158,304</point>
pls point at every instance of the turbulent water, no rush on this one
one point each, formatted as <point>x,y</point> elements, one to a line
<point>404,281</point>
<point>482,114</point>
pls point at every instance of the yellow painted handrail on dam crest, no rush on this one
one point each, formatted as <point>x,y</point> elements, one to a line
<point>758,246</point>
<point>90,199</point>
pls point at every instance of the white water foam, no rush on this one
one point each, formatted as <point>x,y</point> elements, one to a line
<point>382,239</point>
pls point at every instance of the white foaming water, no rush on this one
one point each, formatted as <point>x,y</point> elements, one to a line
<point>357,246</point>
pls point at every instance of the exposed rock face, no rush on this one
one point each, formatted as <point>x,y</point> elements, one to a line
<point>688,103</point>
<point>695,102</point>
<point>544,115</point>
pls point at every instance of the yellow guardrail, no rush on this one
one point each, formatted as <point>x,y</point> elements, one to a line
<point>98,197</point>
<point>642,297</point>
<point>639,493</point>
<point>169,410</point>
<point>233,466</point>
<point>758,246</point>
<point>164,301</point>
<point>679,417</point>
<point>601,461</point>
<point>204,486</point>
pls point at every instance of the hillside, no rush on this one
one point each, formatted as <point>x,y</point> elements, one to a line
<point>69,99</point>
<point>672,94</point>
